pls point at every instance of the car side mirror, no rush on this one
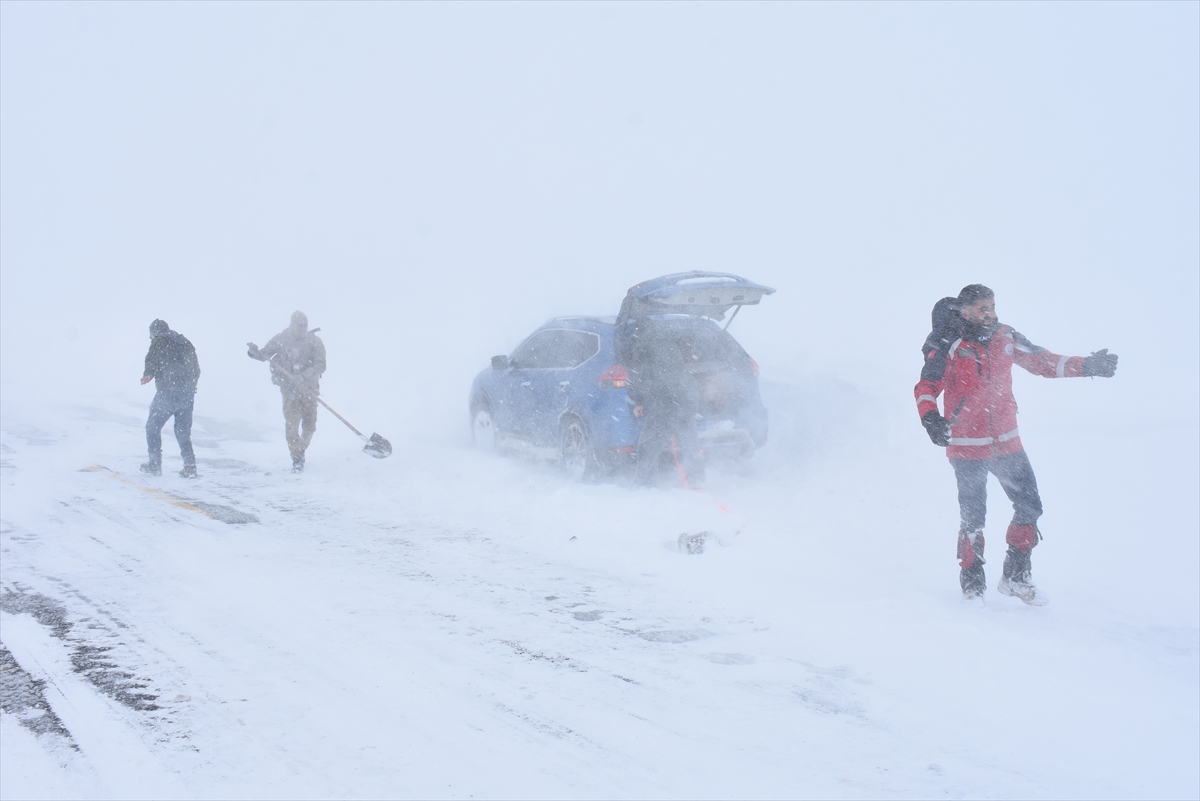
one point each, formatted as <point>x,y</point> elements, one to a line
<point>500,362</point>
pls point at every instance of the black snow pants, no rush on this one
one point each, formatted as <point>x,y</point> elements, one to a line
<point>669,426</point>
<point>167,404</point>
<point>1017,479</point>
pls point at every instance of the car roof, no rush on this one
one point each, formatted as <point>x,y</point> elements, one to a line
<point>586,322</point>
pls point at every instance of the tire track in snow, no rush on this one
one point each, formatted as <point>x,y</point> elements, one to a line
<point>97,653</point>
<point>24,697</point>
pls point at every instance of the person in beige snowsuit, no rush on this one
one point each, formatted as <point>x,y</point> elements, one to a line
<point>297,358</point>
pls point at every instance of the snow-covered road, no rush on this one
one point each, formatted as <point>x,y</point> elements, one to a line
<point>467,625</point>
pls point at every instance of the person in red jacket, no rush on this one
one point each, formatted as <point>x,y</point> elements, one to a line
<point>969,358</point>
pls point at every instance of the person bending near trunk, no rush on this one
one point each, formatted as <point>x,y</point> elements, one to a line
<point>297,358</point>
<point>172,363</point>
<point>664,386</point>
<point>969,357</point>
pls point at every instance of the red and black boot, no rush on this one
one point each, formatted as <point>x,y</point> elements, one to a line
<point>970,559</point>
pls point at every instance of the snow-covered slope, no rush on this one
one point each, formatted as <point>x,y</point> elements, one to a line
<point>453,624</point>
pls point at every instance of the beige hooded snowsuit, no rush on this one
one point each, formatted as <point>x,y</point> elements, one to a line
<point>302,354</point>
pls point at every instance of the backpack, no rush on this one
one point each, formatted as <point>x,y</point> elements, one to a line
<point>947,327</point>
<point>180,369</point>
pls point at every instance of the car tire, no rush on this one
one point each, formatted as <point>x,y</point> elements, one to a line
<point>483,427</point>
<point>578,457</point>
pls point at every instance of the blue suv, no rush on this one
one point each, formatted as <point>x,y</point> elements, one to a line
<point>562,394</point>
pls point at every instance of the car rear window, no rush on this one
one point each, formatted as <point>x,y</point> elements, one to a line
<point>701,341</point>
<point>714,345</point>
<point>677,339</point>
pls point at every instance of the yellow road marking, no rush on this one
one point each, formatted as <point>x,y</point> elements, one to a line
<point>171,499</point>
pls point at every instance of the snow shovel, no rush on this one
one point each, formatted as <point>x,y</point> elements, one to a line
<point>376,445</point>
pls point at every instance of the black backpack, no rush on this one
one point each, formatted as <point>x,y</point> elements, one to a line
<point>180,367</point>
<point>947,327</point>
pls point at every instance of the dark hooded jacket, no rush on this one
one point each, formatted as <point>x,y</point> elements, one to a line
<point>172,362</point>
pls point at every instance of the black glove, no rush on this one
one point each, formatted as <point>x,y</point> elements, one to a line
<point>1101,363</point>
<point>937,427</point>
<point>253,352</point>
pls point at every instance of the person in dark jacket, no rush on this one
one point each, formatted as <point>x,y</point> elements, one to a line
<point>665,374</point>
<point>297,358</point>
<point>969,358</point>
<point>171,362</point>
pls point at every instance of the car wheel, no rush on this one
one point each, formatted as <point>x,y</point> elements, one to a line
<point>578,458</point>
<point>483,427</point>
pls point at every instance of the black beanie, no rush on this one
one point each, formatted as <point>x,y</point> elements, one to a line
<point>159,327</point>
<point>973,293</point>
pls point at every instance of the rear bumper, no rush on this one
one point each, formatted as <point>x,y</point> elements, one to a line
<point>727,441</point>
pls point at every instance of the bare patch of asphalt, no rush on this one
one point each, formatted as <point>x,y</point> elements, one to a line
<point>24,697</point>
<point>96,663</point>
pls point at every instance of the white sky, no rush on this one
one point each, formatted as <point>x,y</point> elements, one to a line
<point>429,182</point>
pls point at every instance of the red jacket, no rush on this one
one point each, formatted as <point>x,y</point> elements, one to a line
<point>977,380</point>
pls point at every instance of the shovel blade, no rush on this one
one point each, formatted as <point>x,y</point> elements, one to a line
<point>378,447</point>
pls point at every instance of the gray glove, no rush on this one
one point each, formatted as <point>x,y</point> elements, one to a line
<point>1101,363</point>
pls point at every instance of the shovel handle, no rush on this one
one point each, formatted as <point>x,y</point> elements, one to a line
<point>316,397</point>
<point>321,401</point>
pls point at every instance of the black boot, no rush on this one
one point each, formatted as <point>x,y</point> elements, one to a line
<point>1017,581</point>
<point>297,464</point>
<point>1017,566</point>
<point>972,580</point>
<point>153,468</point>
<point>188,471</point>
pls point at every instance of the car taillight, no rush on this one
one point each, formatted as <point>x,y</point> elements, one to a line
<point>754,368</point>
<point>615,377</point>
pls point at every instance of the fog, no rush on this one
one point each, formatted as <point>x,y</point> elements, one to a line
<point>430,182</point>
